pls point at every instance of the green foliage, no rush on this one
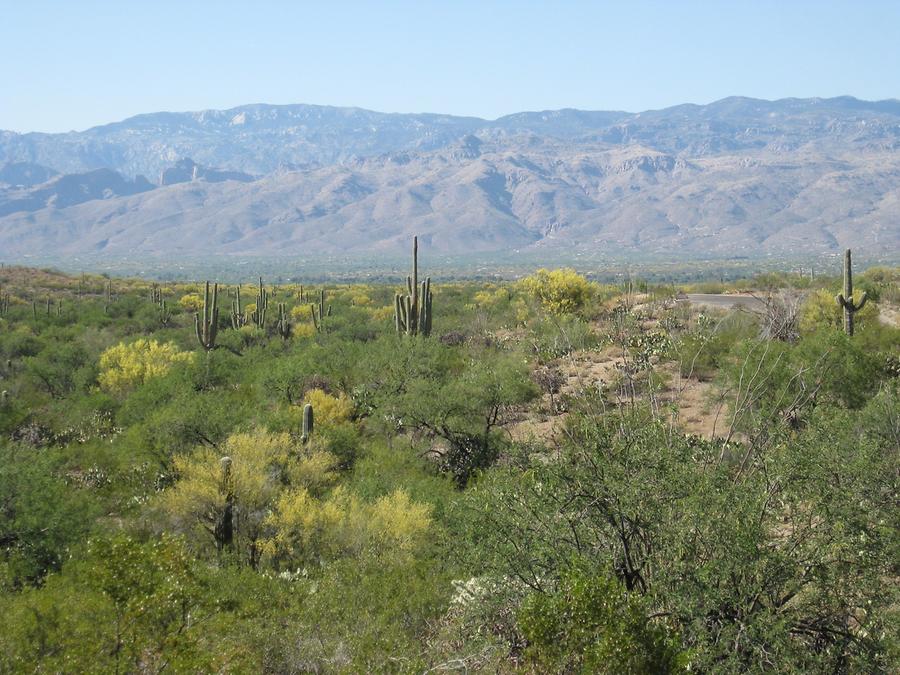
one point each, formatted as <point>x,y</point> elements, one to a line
<point>591,624</point>
<point>122,606</point>
<point>821,311</point>
<point>705,349</point>
<point>463,413</point>
<point>733,551</point>
<point>40,516</point>
<point>413,530</point>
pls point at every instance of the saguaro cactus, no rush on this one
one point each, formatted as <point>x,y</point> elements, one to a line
<point>262,305</point>
<point>307,422</point>
<point>845,299</point>
<point>284,323</point>
<point>238,319</point>
<point>412,312</point>
<point>164,315</point>
<point>156,295</point>
<point>319,312</point>
<point>208,327</point>
<point>224,529</point>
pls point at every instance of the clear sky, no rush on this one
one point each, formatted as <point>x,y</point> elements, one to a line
<point>72,64</point>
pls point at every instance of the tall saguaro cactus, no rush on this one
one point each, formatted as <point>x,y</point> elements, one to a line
<point>284,323</point>
<point>319,312</point>
<point>224,528</point>
<point>208,326</point>
<point>412,312</point>
<point>238,319</point>
<point>262,305</point>
<point>845,299</point>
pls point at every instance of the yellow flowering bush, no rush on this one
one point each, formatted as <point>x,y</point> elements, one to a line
<point>360,299</point>
<point>191,302</point>
<point>561,291</point>
<point>124,366</point>
<point>303,330</point>
<point>303,526</point>
<point>197,501</point>
<point>382,313</point>
<point>488,299</point>
<point>328,410</point>
<point>301,313</point>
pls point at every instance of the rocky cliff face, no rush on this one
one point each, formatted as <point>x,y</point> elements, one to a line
<point>187,170</point>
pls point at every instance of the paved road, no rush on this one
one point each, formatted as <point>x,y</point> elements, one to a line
<point>719,301</point>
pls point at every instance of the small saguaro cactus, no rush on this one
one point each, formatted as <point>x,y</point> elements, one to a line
<point>307,422</point>
<point>845,299</point>
<point>164,315</point>
<point>284,323</point>
<point>156,295</point>
<point>319,312</point>
<point>208,326</point>
<point>412,312</point>
<point>262,304</point>
<point>224,530</point>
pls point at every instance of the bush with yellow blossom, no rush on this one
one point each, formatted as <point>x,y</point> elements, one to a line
<point>191,302</point>
<point>560,291</point>
<point>329,410</point>
<point>125,366</point>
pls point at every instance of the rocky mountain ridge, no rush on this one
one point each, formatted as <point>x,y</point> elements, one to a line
<point>737,177</point>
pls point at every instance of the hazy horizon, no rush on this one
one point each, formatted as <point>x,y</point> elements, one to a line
<point>438,112</point>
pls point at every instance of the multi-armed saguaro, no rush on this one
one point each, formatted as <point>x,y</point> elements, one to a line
<point>284,323</point>
<point>412,312</point>
<point>262,305</point>
<point>209,325</point>
<point>238,319</point>
<point>319,312</point>
<point>845,299</point>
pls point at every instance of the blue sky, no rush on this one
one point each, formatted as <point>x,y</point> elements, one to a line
<point>74,64</point>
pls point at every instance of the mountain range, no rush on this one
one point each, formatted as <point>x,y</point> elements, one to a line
<point>738,177</point>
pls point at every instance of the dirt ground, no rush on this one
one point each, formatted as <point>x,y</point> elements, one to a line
<point>700,409</point>
<point>889,315</point>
